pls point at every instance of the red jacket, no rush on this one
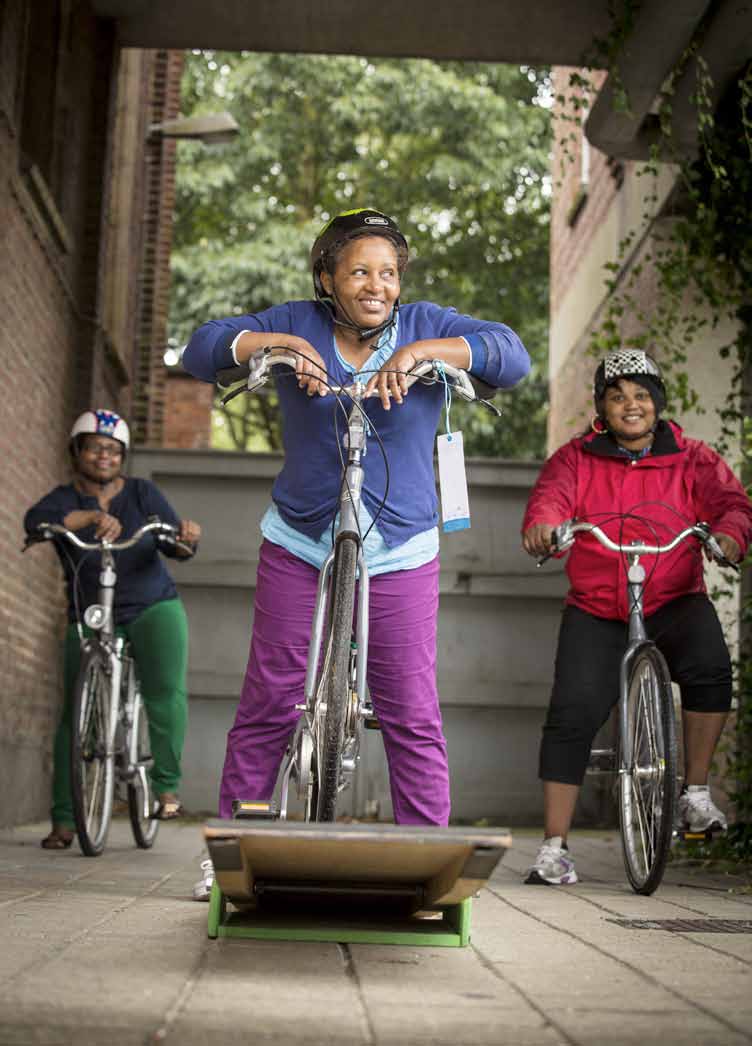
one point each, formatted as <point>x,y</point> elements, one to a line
<point>681,482</point>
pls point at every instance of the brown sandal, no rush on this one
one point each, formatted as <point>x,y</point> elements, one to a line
<point>168,808</point>
<point>59,838</point>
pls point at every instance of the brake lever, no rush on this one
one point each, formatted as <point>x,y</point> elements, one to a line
<point>717,554</point>
<point>490,407</point>
<point>562,540</point>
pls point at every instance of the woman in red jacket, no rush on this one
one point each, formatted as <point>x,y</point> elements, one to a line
<point>632,462</point>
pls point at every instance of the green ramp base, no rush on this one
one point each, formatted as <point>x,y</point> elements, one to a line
<point>450,930</point>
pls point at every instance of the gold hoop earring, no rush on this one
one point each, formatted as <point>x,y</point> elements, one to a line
<point>594,425</point>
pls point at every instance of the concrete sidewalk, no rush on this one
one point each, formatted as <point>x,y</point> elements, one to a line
<point>111,952</point>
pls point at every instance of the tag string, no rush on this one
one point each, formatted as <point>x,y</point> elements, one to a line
<point>447,396</point>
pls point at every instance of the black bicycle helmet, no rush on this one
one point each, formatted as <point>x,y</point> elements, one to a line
<point>363,221</point>
<point>634,365</point>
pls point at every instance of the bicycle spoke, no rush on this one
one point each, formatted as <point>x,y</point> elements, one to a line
<point>646,835</point>
<point>93,793</point>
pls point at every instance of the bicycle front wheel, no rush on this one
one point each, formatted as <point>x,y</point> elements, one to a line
<point>92,767</point>
<point>336,685</point>
<point>141,801</point>
<point>647,770</point>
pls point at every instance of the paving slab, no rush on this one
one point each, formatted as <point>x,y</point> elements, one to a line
<point>112,951</point>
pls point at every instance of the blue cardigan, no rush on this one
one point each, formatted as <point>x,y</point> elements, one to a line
<point>307,489</point>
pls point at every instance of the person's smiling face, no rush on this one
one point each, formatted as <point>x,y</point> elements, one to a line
<point>100,458</point>
<point>630,413</point>
<point>366,280</point>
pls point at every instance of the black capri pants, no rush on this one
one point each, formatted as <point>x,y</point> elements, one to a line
<point>586,675</point>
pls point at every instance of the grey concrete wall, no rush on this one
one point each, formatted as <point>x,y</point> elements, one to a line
<point>497,630</point>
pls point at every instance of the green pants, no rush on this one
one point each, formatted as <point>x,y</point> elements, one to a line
<point>159,644</point>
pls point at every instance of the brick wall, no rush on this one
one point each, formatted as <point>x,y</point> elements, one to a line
<point>58,356</point>
<point>581,201</point>
<point>187,420</point>
<point>47,293</point>
<point>571,232</point>
<point>148,408</point>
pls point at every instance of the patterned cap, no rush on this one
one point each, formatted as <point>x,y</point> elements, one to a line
<point>629,361</point>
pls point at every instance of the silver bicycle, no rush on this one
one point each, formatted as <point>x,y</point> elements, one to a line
<point>645,758</point>
<point>324,750</point>
<point>110,730</point>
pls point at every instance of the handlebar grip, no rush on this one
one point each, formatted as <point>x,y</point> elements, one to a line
<point>232,375</point>
<point>37,538</point>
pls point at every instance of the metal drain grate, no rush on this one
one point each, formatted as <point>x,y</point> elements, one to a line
<point>687,925</point>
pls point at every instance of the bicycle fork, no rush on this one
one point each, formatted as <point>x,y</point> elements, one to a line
<point>637,636</point>
<point>604,760</point>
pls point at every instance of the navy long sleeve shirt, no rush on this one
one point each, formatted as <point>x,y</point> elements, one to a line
<point>143,578</point>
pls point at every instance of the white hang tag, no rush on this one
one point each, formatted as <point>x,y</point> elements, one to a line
<point>455,506</point>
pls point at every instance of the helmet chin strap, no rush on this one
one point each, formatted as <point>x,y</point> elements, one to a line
<point>364,333</point>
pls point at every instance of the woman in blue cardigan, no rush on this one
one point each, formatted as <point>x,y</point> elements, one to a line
<point>355,325</point>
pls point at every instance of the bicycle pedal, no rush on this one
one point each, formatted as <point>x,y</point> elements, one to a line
<point>254,810</point>
<point>601,761</point>
<point>686,836</point>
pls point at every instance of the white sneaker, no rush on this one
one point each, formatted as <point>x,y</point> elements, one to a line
<point>202,888</point>
<point>553,865</point>
<point>698,813</point>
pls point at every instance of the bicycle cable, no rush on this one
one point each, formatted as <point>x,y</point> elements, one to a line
<point>342,397</point>
<point>652,525</point>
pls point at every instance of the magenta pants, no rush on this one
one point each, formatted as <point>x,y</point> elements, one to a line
<point>401,681</point>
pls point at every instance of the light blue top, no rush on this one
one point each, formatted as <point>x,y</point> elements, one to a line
<point>380,559</point>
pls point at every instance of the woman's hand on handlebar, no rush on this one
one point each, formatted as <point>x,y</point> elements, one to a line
<point>538,539</point>
<point>310,369</point>
<point>106,527</point>
<point>728,547</point>
<point>189,534</point>
<point>391,380</point>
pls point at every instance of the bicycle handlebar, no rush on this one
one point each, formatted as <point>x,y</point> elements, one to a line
<point>46,531</point>
<point>564,536</point>
<point>258,369</point>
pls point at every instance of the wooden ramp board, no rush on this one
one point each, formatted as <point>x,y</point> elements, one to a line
<point>370,883</point>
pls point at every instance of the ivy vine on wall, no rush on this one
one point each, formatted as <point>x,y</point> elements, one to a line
<point>699,251</point>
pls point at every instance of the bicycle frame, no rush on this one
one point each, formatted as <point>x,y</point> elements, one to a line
<point>305,739</point>
<point>647,737</point>
<point>306,733</point>
<point>637,638</point>
<point>114,653</point>
<point>120,669</point>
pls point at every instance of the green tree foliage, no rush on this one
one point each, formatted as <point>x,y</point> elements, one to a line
<point>457,152</point>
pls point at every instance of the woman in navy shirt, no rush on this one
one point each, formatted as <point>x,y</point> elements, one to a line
<point>355,325</point>
<point>101,503</point>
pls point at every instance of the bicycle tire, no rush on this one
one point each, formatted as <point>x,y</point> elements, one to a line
<point>647,787</point>
<point>92,767</point>
<point>336,683</point>
<point>141,803</point>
